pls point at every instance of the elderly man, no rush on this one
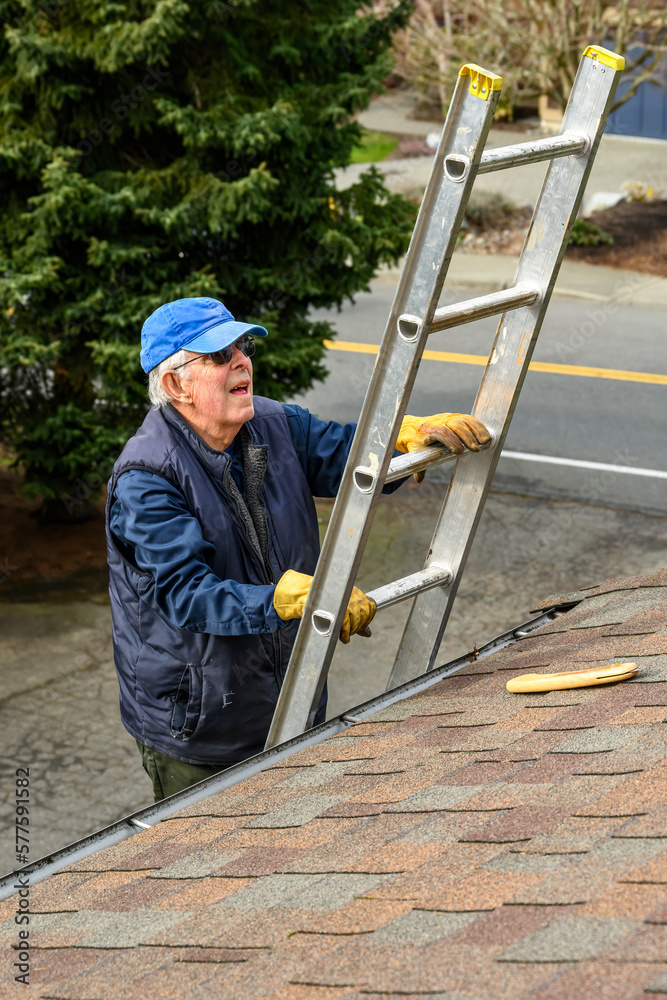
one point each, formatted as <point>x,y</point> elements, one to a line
<point>212,542</point>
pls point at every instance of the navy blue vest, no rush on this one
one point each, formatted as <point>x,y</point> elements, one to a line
<point>208,699</point>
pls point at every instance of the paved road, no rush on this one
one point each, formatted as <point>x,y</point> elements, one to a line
<point>568,416</point>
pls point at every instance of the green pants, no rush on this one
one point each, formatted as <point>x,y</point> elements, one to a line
<point>169,775</point>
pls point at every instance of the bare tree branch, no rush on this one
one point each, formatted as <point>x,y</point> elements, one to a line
<point>535,44</point>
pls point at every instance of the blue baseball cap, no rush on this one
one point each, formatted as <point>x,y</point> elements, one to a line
<point>199,324</point>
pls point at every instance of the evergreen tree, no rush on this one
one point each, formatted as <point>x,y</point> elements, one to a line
<point>155,149</point>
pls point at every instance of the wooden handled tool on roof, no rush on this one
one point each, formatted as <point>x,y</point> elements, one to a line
<point>527,683</point>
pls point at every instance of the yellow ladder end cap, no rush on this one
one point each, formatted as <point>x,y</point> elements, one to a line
<point>605,56</point>
<point>482,81</point>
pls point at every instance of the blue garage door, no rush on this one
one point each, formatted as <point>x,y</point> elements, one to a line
<point>645,114</point>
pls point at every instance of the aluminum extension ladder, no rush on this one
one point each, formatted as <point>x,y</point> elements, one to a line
<point>414,315</point>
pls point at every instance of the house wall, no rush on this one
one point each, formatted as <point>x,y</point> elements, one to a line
<point>645,114</point>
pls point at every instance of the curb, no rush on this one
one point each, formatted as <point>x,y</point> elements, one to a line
<point>591,282</point>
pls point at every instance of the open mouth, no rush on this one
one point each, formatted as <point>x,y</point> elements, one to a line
<point>241,390</point>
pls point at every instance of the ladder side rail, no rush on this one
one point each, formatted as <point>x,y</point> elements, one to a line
<point>545,246</point>
<point>430,251</point>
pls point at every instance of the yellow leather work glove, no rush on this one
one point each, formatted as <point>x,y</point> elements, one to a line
<point>455,431</point>
<point>360,612</point>
<point>291,593</point>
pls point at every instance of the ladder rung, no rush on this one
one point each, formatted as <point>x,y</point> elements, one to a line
<point>417,461</point>
<point>567,144</point>
<point>409,586</point>
<point>403,466</point>
<point>484,305</point>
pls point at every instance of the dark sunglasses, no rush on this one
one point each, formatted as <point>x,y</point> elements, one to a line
<point>246,345</point>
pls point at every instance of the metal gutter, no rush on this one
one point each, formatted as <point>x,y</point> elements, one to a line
<point>143,819</point>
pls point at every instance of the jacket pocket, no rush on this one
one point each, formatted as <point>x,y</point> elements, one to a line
<point>186,712</point>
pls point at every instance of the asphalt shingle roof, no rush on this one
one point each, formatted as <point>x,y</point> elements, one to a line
<point>464,843</point>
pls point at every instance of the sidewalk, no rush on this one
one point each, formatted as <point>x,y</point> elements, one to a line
<point>618,160</point>
<point>575,280</point>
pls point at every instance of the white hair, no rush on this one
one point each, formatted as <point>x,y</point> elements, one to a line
<point>157,394</point>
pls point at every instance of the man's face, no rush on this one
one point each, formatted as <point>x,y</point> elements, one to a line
<point>222,394</point>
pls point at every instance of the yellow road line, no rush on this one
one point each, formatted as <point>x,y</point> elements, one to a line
<point>616,374</point>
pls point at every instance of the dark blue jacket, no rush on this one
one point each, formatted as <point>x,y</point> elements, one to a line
<point>199,648</point>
